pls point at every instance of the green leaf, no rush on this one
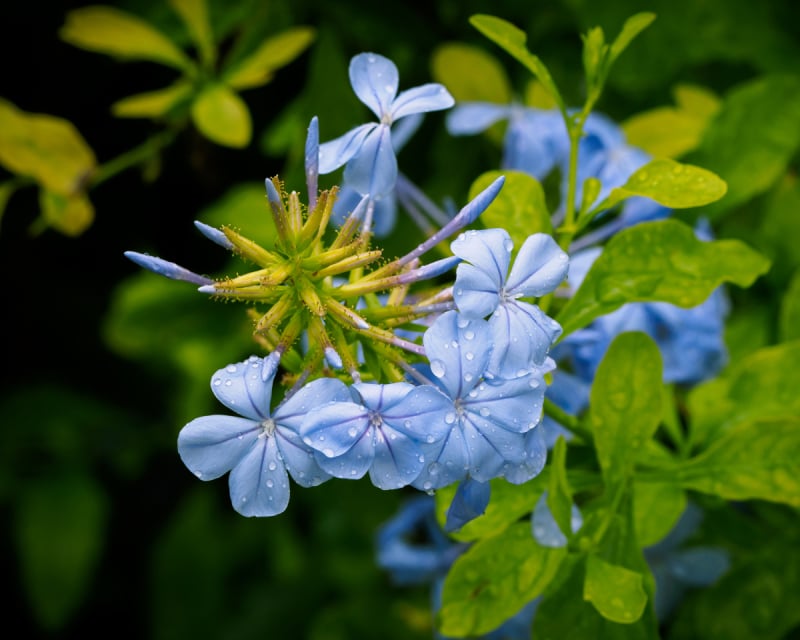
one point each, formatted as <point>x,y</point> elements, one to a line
<point>222,116</point>
<point>257,68</point>
<point>752,139</point>
<point>779,227</point>
<point>71,215</point>
<point>194,14</point>
<point>494,579</point>
<point>670,132</point>
<point>470,74</point>
<point>789,324</point>
<point>120,34</point>
<point>519,208</point>
<point>595,50</point>
<point>508,504</point>
<point>625,402</point>
<point>512,40</point>
<point>759,459</point>
<point>559,493</point>
<point>633,27</point>
<point>762,385</point>
<point>152,104</point>
<point>59,527</point>
<point>616,592</point>
<point>7,190</point>
<point>48,149</point>
<point>659,261</point>
<point>656,508</point>
<point>675,185</point>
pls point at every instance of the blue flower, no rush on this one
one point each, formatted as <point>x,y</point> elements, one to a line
<point>691,341</point>
<point>520,332</point>
<point>367,151</point>
<point>490,422</point>
<point>258,447</point>
<point>535,142</point>
<point>544,527</point>
<point>676,568</point>
<point>381,430</point>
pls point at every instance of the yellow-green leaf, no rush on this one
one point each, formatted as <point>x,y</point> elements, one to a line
<point>222,116</point>
<point>71,215</point>
<point>7,189</point>
<point>152,104</point>
<point>48,149</point>
<point>194,14</point>
<point>278,51</point>
<point>656,508</point>
<point>669,132</point>
<point>122,35</point>
<point>616,592</point>
<point>675,185</point>
<point>470,74</point>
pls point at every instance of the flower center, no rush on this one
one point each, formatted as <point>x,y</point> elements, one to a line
<point>267,428</point>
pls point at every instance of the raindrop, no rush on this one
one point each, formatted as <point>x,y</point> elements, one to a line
<point>217,382</point>
<point>469,355</point>
<point>467,377</point>
<point>509,245</point>
<point>231,368</point>
<point>484,411</point>
<point>437,367</point>
<point>199,474</point>
<point>469,335</point>
<point>450,418</point>
<point>407,424</point>
<point>270,483</point>
<point>429,438</point>
<point>272,466</point>
<point>434,468</point>
<point>228,383</point>
<point>352,432</point>
<point>534,383</point>
<point>463,323</point>
<point>328,453</point>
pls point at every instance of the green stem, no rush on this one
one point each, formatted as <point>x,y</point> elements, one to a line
<point>566,232</point>
<point>567,420</point>
<point>136,156</point>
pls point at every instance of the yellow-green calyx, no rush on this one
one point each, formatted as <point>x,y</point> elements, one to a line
<point>305,285</point>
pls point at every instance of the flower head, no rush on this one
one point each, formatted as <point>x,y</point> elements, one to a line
<point>259,447</point>
<point>490,422</point>
<point>520,332</point>
<point>367,150</point>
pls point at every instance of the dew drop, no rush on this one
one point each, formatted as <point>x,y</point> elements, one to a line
<point>463,323</point>
<point>228,382</point>
<point>484,411</point>
<point>534,383</point>
<point>352,432</point>
<point>270,483</point>
<point>450,418</point>
<point>217,382</point>
<point>437,367</point>
<point>328,453</point>
<point>429,438</point>
<point>469,355</point>
<point>272,466</point>
<point>467,377</point>
<point>469,335</point>
<point>509,245</point>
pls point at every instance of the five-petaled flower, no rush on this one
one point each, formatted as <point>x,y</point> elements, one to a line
<point>521,333</point>
<point>366,150</point>
<point>258,447</point>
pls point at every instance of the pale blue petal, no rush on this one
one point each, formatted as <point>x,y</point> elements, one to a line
<point>427,97</point>
<point>469,502</point>
<point>384,215</point>
<point>259,485</point>
<point>373,170</point>
<point>544,526</point>
<point>167,269</point>
<point>398,459</point>
<point>699,566</point>
<point>522,335</point>
<point>468,118</point>
<point>540,266</point>
<point>336,152</point>
<point>512,404</point>
<point>379,397</point>
<point>374,80</point>
<point>489,250</point>
<point>333,429</point>
<point>422,415</point>
<point>535,458</point>
<point>475,291</point>
<point>312,161</point>
<point>355,462</point>
<point>458,350</point>
<point>240,388</point>
<point>445,462</point>
<point>300,459</point>
<point>403,130</point>
<point>212,445</point>
<point>489,447</point>
<point>535,142</point>
<point>316,393</point>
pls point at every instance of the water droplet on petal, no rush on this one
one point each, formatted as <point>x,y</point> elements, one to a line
<point>463,323</point>
<point>469,335</point>
<point>217,382</point>
<point>270,483</point>
<point>534,383</point>
<point>509,245</point>
<point>272,466</point>
<point>469,355</point>
<point>231,368</point>
<point>352,432</point>
<point>484,411</point>
<point>437,367</point>
<point>450,418</point>
<point>328,453</point>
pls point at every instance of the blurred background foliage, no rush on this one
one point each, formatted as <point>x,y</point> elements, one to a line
<point>103,526</point>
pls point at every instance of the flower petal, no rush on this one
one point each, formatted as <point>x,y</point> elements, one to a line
<point>458,350</point>
<point>300,459</point>
<point>334,153</point>
<point>445,462</point>
<point>489,250</point>
<point>398,459</point>
<point>422,415</point>
<point>535,142</point>
<point>259,485</point>
<point>489,447</point>
<point>213,445</point>
<point>535,458</point>
<point>427,97</point>
<point>316,393</point>
<point>540,266</point>
<point>521,335</point>
<point>373,170</point>
<point>475,292</point>
<point>511,404</point>
<point>378,397</point>
<point>468,118</point>
<point>333,429</point>
<point>355,462</point>
<point>374,80</point>
<point>470,501</point>
<point>240,387</point>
